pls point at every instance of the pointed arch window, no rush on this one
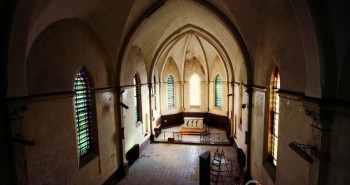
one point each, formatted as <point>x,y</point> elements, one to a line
<point>137,98</point>
<point>155,92</point>
<point>82,102</point>
<point>274,116</point>
<point>195,90</point>
<point>218,91</point>
<point>170,90</point>
<point>240,104</point>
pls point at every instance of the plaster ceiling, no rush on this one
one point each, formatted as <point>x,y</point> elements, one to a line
<point>171,19</point>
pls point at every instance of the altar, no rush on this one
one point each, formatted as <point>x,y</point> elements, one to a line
<point>193,125</point>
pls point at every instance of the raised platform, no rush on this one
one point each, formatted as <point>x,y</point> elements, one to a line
<point>193,126</point>
<point>193,131</point>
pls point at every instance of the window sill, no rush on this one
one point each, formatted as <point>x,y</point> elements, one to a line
<point>138,123</point>
<point>87,159</point>
<point>271,170</point>
<point>218,108</point>
<point>195,106</point>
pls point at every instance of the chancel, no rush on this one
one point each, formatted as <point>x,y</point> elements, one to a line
<point>133,92</point>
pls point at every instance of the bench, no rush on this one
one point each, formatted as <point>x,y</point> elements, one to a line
<point>157,130</point>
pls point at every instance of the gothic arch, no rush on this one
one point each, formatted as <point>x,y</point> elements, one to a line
<point>58,52</point>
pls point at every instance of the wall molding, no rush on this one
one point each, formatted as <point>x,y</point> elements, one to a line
<point>296,96</point>
<point>259,88</point>
<point>40,97</point>
<point>103,89</point>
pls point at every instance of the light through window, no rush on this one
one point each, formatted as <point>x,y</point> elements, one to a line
<point>155,92</point>
<point>83,114</point>
<point>218,91</point>
<point>170,89</point>
<point>195,90</point>
<point>274,115</point>
<point>137,99</point>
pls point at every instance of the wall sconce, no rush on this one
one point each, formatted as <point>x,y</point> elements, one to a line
<point>300,149</point>
<point>123,105</point>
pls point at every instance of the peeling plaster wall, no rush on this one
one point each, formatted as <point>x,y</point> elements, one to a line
<point>258,130</point>
<point>135,133</point>
<point>63,49</point>
<point>242,122</point>
<point>54,159</point>
<point>294,125</point>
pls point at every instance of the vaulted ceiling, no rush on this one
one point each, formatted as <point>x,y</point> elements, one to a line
<point>238,26</point>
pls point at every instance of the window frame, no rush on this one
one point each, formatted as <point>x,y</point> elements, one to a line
<point>216,88</point>
<point>170,96</point>
<point>92,151</point>
<point>155,92</point>
<point>137,99</point>
<point>268,163</point>
<point>274,118</point>
<point>193,84</point>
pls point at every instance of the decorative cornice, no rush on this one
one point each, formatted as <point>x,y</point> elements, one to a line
<point>14,102</point>
<point>104,89</point>
<point>259,88</point>
<point>290,95</point>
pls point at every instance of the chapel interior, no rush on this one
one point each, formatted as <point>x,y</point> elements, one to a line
<point>88,85</point>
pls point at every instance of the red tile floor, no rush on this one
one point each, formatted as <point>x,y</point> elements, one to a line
<point>177,164</point>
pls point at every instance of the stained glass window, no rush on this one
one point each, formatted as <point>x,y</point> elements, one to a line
<point>137,99</point>
<point>274,116</point>
<point>218,91</point>
<point>170,89</point>
<point>83,113</point>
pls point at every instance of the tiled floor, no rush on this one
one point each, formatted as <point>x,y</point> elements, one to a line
<point>177,164</point>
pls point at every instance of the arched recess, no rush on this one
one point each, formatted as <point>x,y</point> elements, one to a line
<point>134,63</point>
<point>57,54</point>
<point>275,49</point>
<point>134,130</point>
<point>311,46</point>
<point>194,66</point>
<point>170,68</point>
<point>217,68</point>
<point>165,50</point>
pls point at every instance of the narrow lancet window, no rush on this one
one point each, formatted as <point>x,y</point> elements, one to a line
<point>275,86</point>
<point>218,91</point>
<point>195,90</point>
<point>170,90</point>
<point>83,119</point>
<point>137,98</point>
